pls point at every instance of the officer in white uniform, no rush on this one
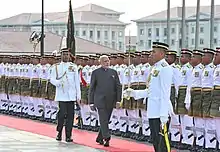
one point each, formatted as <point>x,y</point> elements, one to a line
<point>158,105</point>
<point>65,77</point>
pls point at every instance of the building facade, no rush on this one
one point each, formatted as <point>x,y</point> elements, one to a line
<point>92,22</point>
<point>154,28</point>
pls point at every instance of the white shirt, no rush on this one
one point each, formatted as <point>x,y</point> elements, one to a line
<point>65,77</point>
<point>158,104</point>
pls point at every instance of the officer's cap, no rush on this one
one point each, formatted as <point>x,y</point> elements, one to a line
<point>131,54</point>
<point>121,55</point>
<point>171,52</point>
<point>137,53</point>
<point>207,50</point>
<point>198,52</point>
<point>145,53</point>
<point>217,50</point>
<point>64,50</point>
<point>160,45</point>
<point>113,55</point>
<point>186,51</point>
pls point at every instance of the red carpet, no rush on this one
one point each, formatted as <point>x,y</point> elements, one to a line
<point>79,136</point>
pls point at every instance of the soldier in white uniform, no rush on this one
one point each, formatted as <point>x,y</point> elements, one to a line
<point>65,77</point>
<point>183,98</point>
<point>207,87</point>
<point>174,124</point>
<point>194,104</point>
<point>215,105</point>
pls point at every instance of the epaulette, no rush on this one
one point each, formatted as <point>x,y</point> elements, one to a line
<point>188,66</point>
<point>164,64</point>
<point>212,66</point>
<point>201,66</point>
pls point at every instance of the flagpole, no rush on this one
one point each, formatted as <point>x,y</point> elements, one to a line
<point>42,30</point>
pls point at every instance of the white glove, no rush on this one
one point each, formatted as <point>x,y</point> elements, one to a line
<point>163,121</point>
<point>187,106</point>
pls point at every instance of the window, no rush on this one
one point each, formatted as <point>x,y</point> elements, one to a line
<point>113,35</point>
<point>120,34</point>
<point>106,34</point>
<point>84,33</point>
<point>113,45</point>
<point>165,40</point>
<point>180,43</point>
<point>106,43</point>
<point>63,33</point>
<point>157,32</point>
<point>173,30</point>
<point>149,32</point>
<point>98,34</point>
<point>215,29</point>
<point>215,41</point>
<point>201,29</point>
<point>201,41</point>
<point>141,42</point>
<point>192,41</point>
<point>157,40</point>
<point>180,31</point>
<point>192,30</point>
<point>141,31</point>
<point>90,34</point>
<point>98,42</point>
<point>165,32</point>
<point>77,33</point>
<point>120,45</point>
<point>149,43</point>
<point>57,32</point>
<point>172,42</point>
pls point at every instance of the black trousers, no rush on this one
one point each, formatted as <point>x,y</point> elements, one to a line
<point>66,111</point>
<point>104,117</point>
<point>159,137</point>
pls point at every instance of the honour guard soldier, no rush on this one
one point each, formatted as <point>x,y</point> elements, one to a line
<point>196,95</point>
<point>65,77</point>
<point>215,105</point>
<point>183,98</point>
<point>174,125</point>
<point>207,86</point>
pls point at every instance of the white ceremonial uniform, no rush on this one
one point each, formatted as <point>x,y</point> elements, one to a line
<point>175,122</point>
<point>65,77</point>
<point>126,79</point>
<point>145,71</point>
<point>17,95</point>
<point>44,76</point>
<point>133,113</point>
<point>207,82</point>
<point>196,82</point>
<point>85,109</point>
<point>216,82</point>
<point>117,113</point>
<point>38,104</point>
<point>2,94</point>
<point>158,104</point>
<point>186,120</point>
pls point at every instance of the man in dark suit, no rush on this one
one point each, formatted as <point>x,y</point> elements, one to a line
<point>105,90</point>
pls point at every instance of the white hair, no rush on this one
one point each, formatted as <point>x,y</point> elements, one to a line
<point>103,56</point>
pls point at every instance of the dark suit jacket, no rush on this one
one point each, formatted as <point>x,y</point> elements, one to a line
<point>105,88</point>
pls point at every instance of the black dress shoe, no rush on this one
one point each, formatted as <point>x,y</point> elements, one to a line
<point>106,142</point>
<point>100,141</point>
<point>59,136</point>
<point>69,140</point>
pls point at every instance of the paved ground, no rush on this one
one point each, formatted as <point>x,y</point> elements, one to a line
<point>12,140</point>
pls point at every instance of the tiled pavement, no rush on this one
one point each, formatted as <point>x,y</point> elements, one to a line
<point>12,140</point>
